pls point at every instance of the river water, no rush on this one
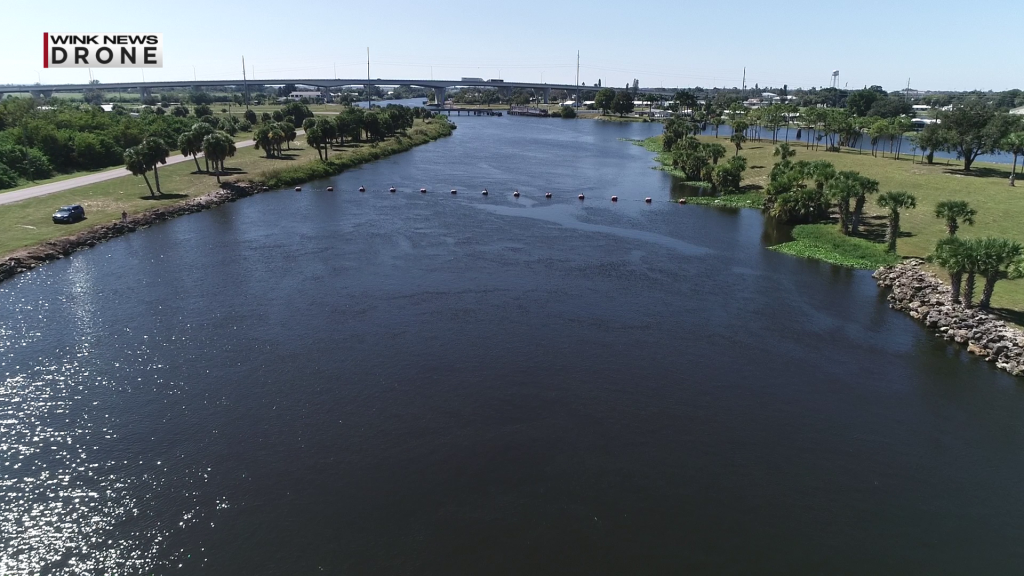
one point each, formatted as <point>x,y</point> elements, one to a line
<point>375,383</point>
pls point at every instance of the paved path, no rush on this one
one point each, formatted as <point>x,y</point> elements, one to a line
<point>44,189</point>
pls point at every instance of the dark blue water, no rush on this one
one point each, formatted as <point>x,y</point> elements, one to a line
<point>375,383</point>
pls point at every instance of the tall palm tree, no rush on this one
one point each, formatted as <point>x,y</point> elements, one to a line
<point>998,258</point>
<point>1014,144</point>
<point>135,162</point>
<point>894,202</point>
<point>737,140</point>
<point>841,190</point>
<point>866,186</point>
<point>950,254</point>
<point>187,146</point>
<point>821,172</point>
<point>154,152</point>
<point>954,212</point>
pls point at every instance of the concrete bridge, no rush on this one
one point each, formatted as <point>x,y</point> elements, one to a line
<point>439,87</point>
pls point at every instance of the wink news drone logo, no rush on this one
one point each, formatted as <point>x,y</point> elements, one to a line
<point>103,50</point>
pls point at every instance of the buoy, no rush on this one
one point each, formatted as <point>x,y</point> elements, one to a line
<point>423,190</point>
<point>330,188</point>
<point>548,195</point>
<point>454,191</point>
<point>682,200</point>
<point>484,192</point>
<point>615,198</point>
<point>392,189</point>
<point>298,188</point>
<point>516,193</point>
<point>361,189</point>
<point>648,200</point>
<point>581,196</point>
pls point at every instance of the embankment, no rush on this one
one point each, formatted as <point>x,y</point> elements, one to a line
<point>927,299</point>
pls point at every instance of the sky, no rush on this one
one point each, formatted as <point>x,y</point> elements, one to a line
<point>662,43</point>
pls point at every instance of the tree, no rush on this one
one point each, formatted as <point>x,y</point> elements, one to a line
<point>866,186</point>
<point>604,99</point>
<point>154,152</point>
<point>737,140</point>
<point>860,102</point>
<point>261,139</point>
<point>179,111</point>
<point>200,130</point>
<point>997,257</point>
<point>950,254</point>
<point>623,103</point>
<point>218,147</point>
<point>289,132</point>
<point>842,189</point>
<point>189,146</point>
<point>1014,144</point>
<point>954,212</point>
<point>971,130</point>
<point>135,162</point>
<point>202,110</point>
<point>894,202</point>
<point>250,115</point>
<point>784,151</point>
<point>315,138</point>
<point>568,112</point>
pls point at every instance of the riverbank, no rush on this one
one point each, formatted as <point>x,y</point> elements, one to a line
<point>37,240</point>
<point>926,299</point>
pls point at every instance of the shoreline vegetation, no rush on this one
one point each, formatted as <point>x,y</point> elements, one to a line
<point>185,192</point>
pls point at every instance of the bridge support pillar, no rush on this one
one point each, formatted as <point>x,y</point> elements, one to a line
<point>41,93</point>
<point>547,95</point>
<point>439,95</point>
<point>145,92</point>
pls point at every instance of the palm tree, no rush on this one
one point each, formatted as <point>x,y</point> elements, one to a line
<point>200,130</point>
<point>950,254</point>
<point>998,258</point>
<point>784,151</point>
<point>218,147</point>
<point>866,186</point>
<point>315,138</point>
<point>954,212</point>
<point>841,190</point>
<point>262,140</point>
<point>821,172</point>
<point>1014,144</point>
<point>188,147</point>
<point>737,140</point>
<point>894,202</point>
<point>135,162</point>
<point>154,152</point>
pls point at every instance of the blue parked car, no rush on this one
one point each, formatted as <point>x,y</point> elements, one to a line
<point>69,214</point>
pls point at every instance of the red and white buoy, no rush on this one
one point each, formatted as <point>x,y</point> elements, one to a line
<point>484,191</point>
<point>516,193</point>
<point>581,196</point>
<point>648,199</point>
<point>423,190</point>
<point>362,189</point>
<point>615,198</point>
<point>392,189</point>
<point>454,191</point>
<point>330,188</point>
<point>547,195</point>
<point>298,188</point>
<point>682,200</point>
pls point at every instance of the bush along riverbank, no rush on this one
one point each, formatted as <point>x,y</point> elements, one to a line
<point>927,299</point>
<point>26,259</point>
<point>824,242</point>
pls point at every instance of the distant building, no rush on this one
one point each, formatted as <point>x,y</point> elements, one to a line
<point>311,95</point>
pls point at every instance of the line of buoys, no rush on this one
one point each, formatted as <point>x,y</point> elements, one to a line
<point>682,200</point>
<point>548,195</point>
<point>648,200</point>
<point>484,192</point>
<point>516,193</point>
<point>392,189</point>
<point>330,188</point>
<point>423,190</point>
<point>581,196</point>
<point>298,188</point>
<point>362,189</point>
<point>615,198</point>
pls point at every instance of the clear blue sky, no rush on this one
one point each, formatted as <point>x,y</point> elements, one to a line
<point>662,43</point>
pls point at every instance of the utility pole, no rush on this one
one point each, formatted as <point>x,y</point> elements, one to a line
<point>245,82</point>
<point>367,77</point>
<point>578,102</point>
<point>744,78</point>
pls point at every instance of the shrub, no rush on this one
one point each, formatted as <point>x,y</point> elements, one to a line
<point>8,178</point>
<point>568,112</point>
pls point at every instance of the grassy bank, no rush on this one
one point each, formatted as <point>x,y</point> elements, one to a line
<point>28,223</point>
<point>824,242</point>
<point>1000,207</point>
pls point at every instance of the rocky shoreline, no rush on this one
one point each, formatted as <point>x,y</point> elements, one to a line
<point>927,299</point>
<point>29,258</point>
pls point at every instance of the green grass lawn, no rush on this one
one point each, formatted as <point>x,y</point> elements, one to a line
<point>28,222</point>
<point>1000,207</point>
<point>825,242</point>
